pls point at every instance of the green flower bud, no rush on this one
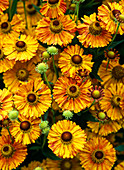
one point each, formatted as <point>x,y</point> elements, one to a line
<point>68,114</point>
<point>46,130</point>
<point>13,114</point>
<point>52,50</point>
<point>43,124</point>
<point>41,68</point>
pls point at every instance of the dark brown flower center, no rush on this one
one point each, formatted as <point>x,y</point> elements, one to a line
<point>25,125</point>
<point>30,9</point>
<point>31,97</point>
<point>95,28</point>
<point>77,59</point>
<point>115,11</point>
<point>22,74</point>
<point>30,6</point>
<point>115,100</point>
<point>66,164</point>
<point>66,136</point>
<point>53,1</point>
<point>73,89</point>
<point>118,72</point>
<point>4,25</point>
<point>20,44</point>
<point>56,26</point>
<point>99,155</point>
<point>7,150</point>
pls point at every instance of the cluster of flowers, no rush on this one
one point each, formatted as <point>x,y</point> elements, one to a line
<point>44,72</point>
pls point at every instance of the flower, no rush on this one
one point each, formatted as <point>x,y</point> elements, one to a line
<point>35,99</point>
<point>63,164</point>
<point>114,74</point>
<point>6,103</point>
<point>66,139</point>
<point>98,153</point>
<point>71,96</point>
<point>68,114</point>
<point>110,103</point>
<point>109,16</point>
<point>41,68</point>
<point>53,8</point>
<point>5,64</point>
<point>43,124</point>
<point>11,154</point>
<point>72,59</point>
<point>32,15</point>
<point>112,55</point>
<point>57,31</point>
<point>34,164</point>
<point>11,28</point>
<point>103,125</point>
<point>20,74</point>
<point>4,4</point>
<point>22,48</point>
<point>13,114</point>
<point>92,34</point>
<point>120,166</point>
<point>26,130</point>
<point>52,50</point>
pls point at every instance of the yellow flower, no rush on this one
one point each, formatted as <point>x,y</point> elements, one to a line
<point>110,103</point>
<point>72,59</point>
<point>66,139</point>
<point>12,28</point>
<point>32,15</point>
<point>53,8</point>
<point>20,74</point>
<point>6,103</point>
<point>92,34</point>
<point>120,166</point>
<point>26,130</point>
<point>97,153</point>
<point>11,154</point>
<point>71,96</point>
<point>33,98</point>
<point>34,164</point>
<point>22,48</point>
<point>57,31</point>
<point>114,74</point>
<point>109,16</point>
<point>4,4</point>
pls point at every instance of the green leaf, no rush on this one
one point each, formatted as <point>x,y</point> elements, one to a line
<point>35,148</point>
<point>12,11</point>
<point>49,154</point>
<point>120,148</point>
<point>115,43</point>
<point>37,9</point>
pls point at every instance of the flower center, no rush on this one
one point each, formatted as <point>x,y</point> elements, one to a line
<point>56,26</point>
<point>30,9</point>
<point>66,164</point>
<point>32,98</point>
<point>73,90</point>
<point>22,74</point>
<point>5,122</point>
<point>66,136</point>
<point>96,94</point>
<point>7,150</point>
<point>98,156</point>
<point>118,72</point>
<point>101,115</point>
<point>95,28</point>
<point>115,100</point>
<point>25,125</point>
<point>5,27</point>
<point>1,54</point>
<point>20,46</point>
<point>76,60</point>
<point>53,1</point>
<point>111,54</point>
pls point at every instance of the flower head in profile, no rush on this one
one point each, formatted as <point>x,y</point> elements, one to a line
<point>66,139</point>
<point>11,154</point>
<point>96,154</point>
<point>57,31</point>
<point>92,34</point>
<point>53,8</point>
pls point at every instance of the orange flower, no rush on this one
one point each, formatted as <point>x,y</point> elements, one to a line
<point>11,154</point>
<point>58,31</point>
<point>91,33</point>
<point>4,4</point>
<point>53,8</point>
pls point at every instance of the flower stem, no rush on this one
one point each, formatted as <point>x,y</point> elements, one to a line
<point>54,120</point>
<point>77,9</point>
<point>47,81</point>
<point>55,67</point>
<point>89,107</point>
<point>25,15</point>
<point>9,134</point>
<point>10,14</point>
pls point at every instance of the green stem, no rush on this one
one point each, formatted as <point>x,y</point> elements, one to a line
<point>55,67</point>
<point>107,64</point>
<point>54,120</point>
<point>90,106</point>
<point>9,134</point>
<point>25,15</point>
<point>47,81</point>
<point>44,140</point>
<point>77,9</point>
